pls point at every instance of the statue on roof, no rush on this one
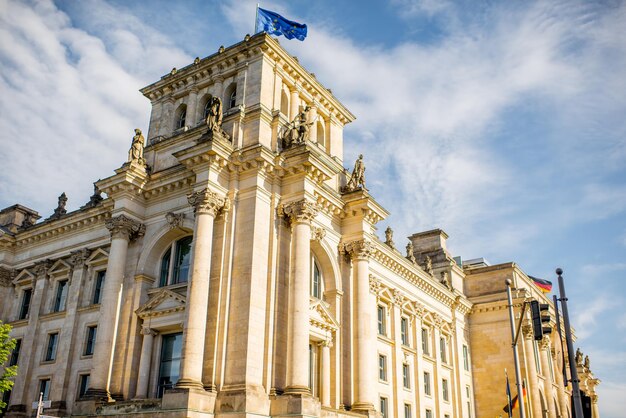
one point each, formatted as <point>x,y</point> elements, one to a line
<point>579,357</point>
<point>357,179</point>
<point>214,114</point>
<point>409,252</point>
<point>135,153</point>
<point>95,199</point>
<point>428,265</point>
<point>389,237</point>
<point>60,209</point>
<point>586,363</point>
<point>298,130</point>
<point>445,280</point>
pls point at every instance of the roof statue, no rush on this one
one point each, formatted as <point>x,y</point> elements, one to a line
<point>579,357</point>
<point>389,237</point>
<point>409,253</point>
<point>428,265</point>
<point>297,131</point>
<point>60,209</point>
<point>214,116</point>
<point>357,179</point>
<point>135,153</point>
<point>95,199</point>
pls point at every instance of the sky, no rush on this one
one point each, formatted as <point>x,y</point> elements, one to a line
<point>502,123</point>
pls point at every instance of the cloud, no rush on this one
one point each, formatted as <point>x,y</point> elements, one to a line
<point>585,321</point>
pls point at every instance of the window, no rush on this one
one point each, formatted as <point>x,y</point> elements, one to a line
<point>25,306</point>
<point>381,321</point>
<point>465,358</point>
<point>44,387</point>
<point>406,376</point>
<point>407,411</point>
<point>427,383</point>
<point>15,354</point>
<point>61,298</point>
<point>429,413</point>
<point>469,401</point>
<point>404,331</point>
<point>442,349</point>
<point>51,350</point>
<point>284,103</point>
<point>181,117</point>
<point>425,345</point>
<point>91,340</point>
<point>382,367</point>
<point>232,97</point>
<point>313,370</point>
<point>383,407</point>
<point>316,281</point>
<point>175,262</point>
<point>97,292</point>
<point>169,366</point>
<point>444,390</point>
<point>207,109</point>
<point>83,385</point>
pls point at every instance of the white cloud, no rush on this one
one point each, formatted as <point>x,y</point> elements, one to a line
<point>585,321</point>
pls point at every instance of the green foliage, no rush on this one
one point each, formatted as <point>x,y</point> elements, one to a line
<point>7,344</point>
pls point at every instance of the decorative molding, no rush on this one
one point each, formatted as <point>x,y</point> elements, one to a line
<point>79,257</point>
<point>317,233</point>
<point>301,211</point>
<point>375,285</point>
<point>358,250</point>
<point>6,276</point>
<point>175,220</point>
<point>146,330</point>
<point>124,227</point>
<point>41,268</point>
<point>398,298</point>
<point>206,201</point>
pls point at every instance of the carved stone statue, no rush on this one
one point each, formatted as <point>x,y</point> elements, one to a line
<point>389,237</point>
<point>579,357</point>
<point>297,131</point>
<point>428,265</point>
<point>135,153</point>
<point>409,252</point>
<point>586,363</point>
<point>214,116</point>
<point>357,179</point>
<point>445,280</point>
<point>95,198</point>
<point>60,209</point>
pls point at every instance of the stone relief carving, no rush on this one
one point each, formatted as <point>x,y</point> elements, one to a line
<point>6,276</point>
<point>297,131</point>
<point>389,237</point>
<point>420,309</point>
<point>135,153</point>
<point>206,201</point>
<point>214,117</point>
<point>317,233</point>
<point>409,253</point>
<point>175,220</point>
<point>359,249</point>
<point>445,280</point>
<point>124,227</point>
<point>375,285</point>
<point>398,297</point>
<point>78,257</point>
<point>60,209</point>
<point>357,178</point>
<point>41,268</point>
<point>299,211</point>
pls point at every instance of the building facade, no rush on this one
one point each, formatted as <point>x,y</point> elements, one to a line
<point>234,269</point>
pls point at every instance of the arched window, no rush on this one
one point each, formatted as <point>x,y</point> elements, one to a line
<point>317,284</point>
<point>284,103</point>
<point>175,262</point>
<point>231,96</point>
<point>181,117</point>
<point>320,133</point>
<point>207,107</point>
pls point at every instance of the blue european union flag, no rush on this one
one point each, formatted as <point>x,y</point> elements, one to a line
<point>275,24</point>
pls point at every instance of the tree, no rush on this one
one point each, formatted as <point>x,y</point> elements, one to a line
<point>7,344</point>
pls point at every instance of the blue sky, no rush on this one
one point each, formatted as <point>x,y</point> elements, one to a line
<point>503,123</point>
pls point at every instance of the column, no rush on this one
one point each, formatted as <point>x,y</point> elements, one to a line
<point>438,392</point>
<point>531,369</point>
<point>123,230</point>
<point>366,369</point>
<point>398,356</point>
<point>325,398</point>
<point>300,213</point>
<point>544,352</point>
<point>192,108</point>
<point>294,100</point>
<point>558,374</point>
<point>419,358</point>
<point>595,411</point>
<point>206,206</point>
<point>145,361</point>
<point>313,121</point>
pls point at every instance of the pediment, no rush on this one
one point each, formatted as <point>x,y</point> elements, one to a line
<point>59,267</point>
<point>98,256</point>
<point>161,303</point>
<point>24,277</point>
<point>321,317</point>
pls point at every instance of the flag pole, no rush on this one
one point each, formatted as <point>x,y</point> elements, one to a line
<point>518,374</point>
<point>256,19</point>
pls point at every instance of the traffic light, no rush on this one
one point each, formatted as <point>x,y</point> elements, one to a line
<point>541,319</point>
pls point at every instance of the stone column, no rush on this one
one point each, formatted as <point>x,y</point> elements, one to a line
<point>595,411</point>
<point>544,352</point>
<point>531,368</point>
<point>206,206</point>
<point>123,230</point>
<point>325,383</point>
<point>300,213</point>
<point>145,362</point>
<point>398,355</point>
<point>365,317</point>
<point>560,391</point>
<point>313,121</point>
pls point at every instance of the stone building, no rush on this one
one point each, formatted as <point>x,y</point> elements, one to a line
<point>233,269</point>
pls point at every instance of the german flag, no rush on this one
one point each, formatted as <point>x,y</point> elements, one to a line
<point>514,401</point>
<point>544,285</point>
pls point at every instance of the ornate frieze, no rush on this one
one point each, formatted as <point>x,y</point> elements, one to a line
<point>359,249</point>
<point>398,297</point>
<point>527,331</point>
<point>420,309</point>
<point>124,227</point>
<point>206,201</point>
<point>175,220</point>
<point>78,257</point>
<point>299,211</point>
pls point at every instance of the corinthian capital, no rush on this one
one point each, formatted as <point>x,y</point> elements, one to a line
<point>300,211</point>
<point>78,257</point>
<point>206,201</point>
<point>41,268</point>
<point>124,227</point>
<point>359,249</point>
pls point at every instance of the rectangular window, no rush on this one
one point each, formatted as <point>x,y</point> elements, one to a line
<point>444,390</point>
<point>406,376</point>
<point>51,351</point>
<point>83,385</point>
<point>169,367</point>
<point>425,345</point>
<point>383,407</point>
<point>25,306</point>
<point>427,383</point>
<point>59,301</point>
<point>429,413</point>
<point>407,411</point>
<point>381,321</point>
<point>404,331</point>
<point>97,292</point>
<point>465,358</point>
<point>91,340</point>
<point>382,368</point>
<point>44,387</point>
<point>442,349</point>
<point>15,354</point>
<point>469,401</point>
